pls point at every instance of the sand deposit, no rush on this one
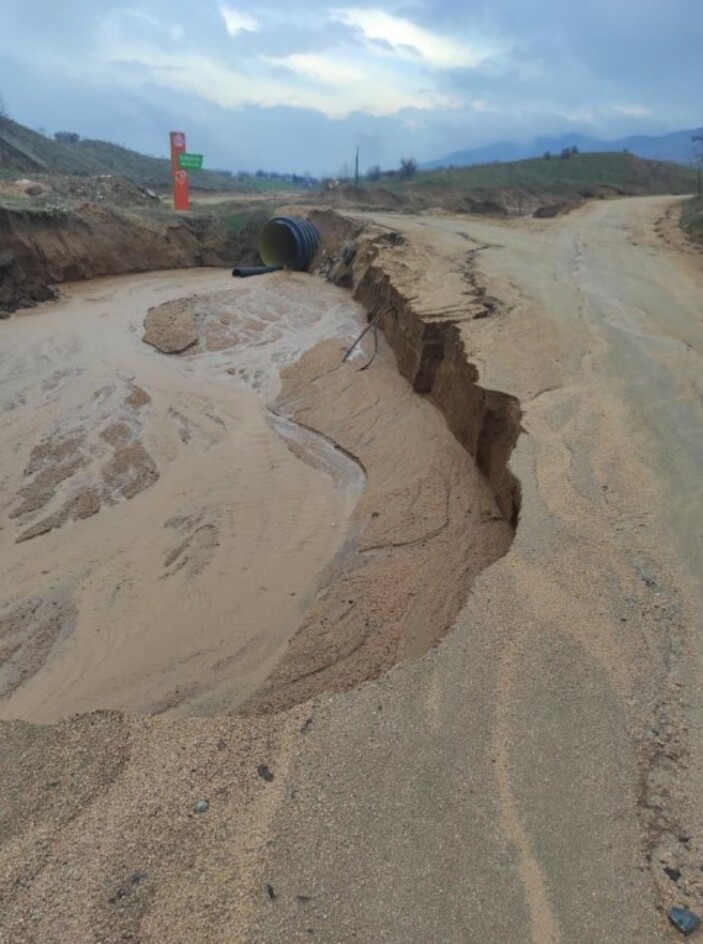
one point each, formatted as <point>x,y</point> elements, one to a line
<point>234,528</point>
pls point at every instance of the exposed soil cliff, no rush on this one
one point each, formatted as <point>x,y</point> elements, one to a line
<point>40,248</point>
<point>429,350</point>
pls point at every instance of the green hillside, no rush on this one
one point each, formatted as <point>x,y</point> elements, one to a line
<point>149,171</point>
<point>23,151</point>
<point>581,175</point>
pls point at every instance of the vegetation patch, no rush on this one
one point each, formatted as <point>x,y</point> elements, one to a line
<point>558,177</point>
<point>692,220</point>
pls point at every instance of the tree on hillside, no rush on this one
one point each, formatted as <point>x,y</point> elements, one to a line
<point>373,173</point>
<point>3,108</point>
<point>408,167</point>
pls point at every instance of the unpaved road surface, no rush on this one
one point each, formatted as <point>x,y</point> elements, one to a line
<point>532,777</point>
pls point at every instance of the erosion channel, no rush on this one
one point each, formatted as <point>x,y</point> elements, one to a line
<point>229,517</point>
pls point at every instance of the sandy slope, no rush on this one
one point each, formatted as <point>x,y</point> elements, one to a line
<point>527,780</point>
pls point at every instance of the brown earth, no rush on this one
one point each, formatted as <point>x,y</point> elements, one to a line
<point>46,246</point>
<point>426,524</point>
<point>536,777</point>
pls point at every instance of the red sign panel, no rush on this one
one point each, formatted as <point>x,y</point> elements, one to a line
<point>181,194</point>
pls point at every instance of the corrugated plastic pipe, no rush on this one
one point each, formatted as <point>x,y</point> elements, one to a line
<point>288,241</point>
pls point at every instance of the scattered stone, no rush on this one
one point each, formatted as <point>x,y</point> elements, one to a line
<point>684,920</point>
<point>202,806</point>
<point>307,724</point>
<point>137,878</point>
<point>270,891</point>
<point>674,874</point>
<point>221,745</point>
<point>647,578</point>
<point>265,773</point>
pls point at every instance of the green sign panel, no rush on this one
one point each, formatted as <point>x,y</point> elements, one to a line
<point>190,161</point>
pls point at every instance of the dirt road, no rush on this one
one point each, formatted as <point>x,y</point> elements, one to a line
<point>534,778</point>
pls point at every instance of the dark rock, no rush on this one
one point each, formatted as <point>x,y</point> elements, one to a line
<point>270,891</point>
<point>684,920</point>
<point>674,874</point>
<point>265,773</point>
<point>137,878</point>
<point>202,806</point>
<point>4,315</point>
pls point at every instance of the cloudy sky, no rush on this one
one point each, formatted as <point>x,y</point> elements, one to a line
<point>297,86</point>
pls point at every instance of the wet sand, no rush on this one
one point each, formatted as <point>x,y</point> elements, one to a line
<point>187,533</point>
<point>157,534</point>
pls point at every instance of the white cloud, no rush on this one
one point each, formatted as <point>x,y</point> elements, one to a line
<point>410,41</point>
<point>238,22</point>
<point>340,83</point>
<point>633,111</point>
<point>328,70</point>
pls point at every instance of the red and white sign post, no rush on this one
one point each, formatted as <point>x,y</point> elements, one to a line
<point>181,194</point>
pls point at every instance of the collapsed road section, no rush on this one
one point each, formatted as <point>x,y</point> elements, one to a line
<point>354,551</point>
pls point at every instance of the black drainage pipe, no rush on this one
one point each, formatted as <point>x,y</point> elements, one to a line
<point>245,272</point>
<point>289,242</point>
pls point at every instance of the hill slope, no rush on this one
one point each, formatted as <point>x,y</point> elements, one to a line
<point>581,176</point>
<point>675,147</point>
<point>25,151</point>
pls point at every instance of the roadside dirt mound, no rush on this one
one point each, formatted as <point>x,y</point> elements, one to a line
<point>110,189</point>
<point>368,198</point>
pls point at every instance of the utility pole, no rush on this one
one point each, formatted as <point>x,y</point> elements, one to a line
<point>356,168</point>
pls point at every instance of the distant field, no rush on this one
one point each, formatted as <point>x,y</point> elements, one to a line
<point>581,175</point>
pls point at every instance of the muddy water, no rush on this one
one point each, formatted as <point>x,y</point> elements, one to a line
<point>161,535</point>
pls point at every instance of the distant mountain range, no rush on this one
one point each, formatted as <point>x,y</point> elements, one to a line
<point>676,147</point>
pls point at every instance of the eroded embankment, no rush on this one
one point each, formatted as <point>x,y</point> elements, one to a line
<point>430,353</point>
<point>427,522</point>
<point>440,504</point>
<point>379,612</point>
<point>43,247</point>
